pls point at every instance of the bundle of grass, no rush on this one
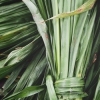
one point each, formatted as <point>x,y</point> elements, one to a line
<point>71,37</point>
<point>20,45</point>
<point>68,43</point>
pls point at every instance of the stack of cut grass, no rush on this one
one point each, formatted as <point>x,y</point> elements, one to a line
<point>21,48</point>
<point>68,43</point>
<point>72,44</point>
<point>15,29</point>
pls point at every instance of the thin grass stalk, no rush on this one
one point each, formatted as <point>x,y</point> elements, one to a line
<point>56,36</point>
<point>87,57</point>
<point>65,36</point>
<point>75,5</point>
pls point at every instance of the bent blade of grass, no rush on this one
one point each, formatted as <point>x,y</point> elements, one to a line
<point>85,7</point>
<point>42,28</point>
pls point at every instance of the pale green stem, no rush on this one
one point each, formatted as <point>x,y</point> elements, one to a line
<point>65,36</point>
<point>56,36</point>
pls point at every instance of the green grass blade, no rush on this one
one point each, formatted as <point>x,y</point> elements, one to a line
<point>86,41</point>
<point>75,42</point>
<point>50,88</point>
<point>29,91</point>
<point>31,73</point>
<point>56,37</point>
<point>97,93</point>
<point>65,41</point>
<point>12,78</point>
